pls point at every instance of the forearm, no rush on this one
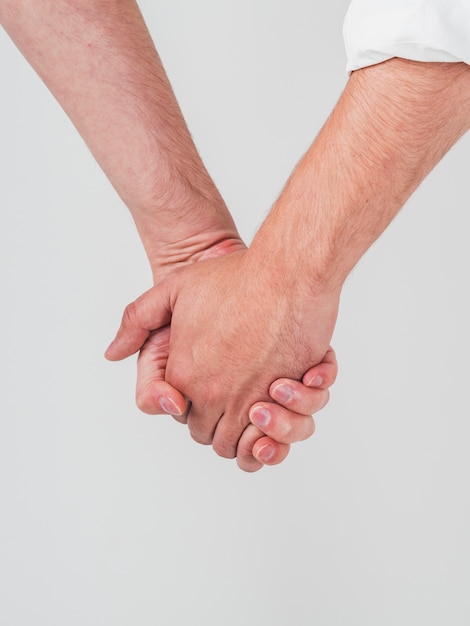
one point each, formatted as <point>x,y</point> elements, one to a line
<point>391,126</point>
<point>98,59</point>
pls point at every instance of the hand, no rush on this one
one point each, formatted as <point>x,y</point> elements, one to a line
<point>283,426</point>
<point>154,395</point>
<point>291,414</point>
<point>236,312</point>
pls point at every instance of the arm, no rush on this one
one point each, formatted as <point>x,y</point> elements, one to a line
<point>393,123</point>
<point>274,307</point>
<point>98,59</point>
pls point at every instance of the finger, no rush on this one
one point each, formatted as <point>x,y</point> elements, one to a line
<point>255,450</point>
<point>309,396</point>
<point>245,459</point>
<point>202,426</point>
<point>149,312</point>
<point>281,424</point>
<point>227,433</point>
<point>154,394</point>
<point>270,452</point>
<point>301,400</point>
<point>323,375</point>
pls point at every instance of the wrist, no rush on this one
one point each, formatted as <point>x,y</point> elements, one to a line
<point>288,271</point>
<point>170,240</point>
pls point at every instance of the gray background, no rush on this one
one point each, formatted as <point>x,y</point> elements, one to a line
<point>111,517</point>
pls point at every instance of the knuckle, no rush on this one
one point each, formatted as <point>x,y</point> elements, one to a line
<point>129,317</point>
<point>224,450</point>
<point>181,419</point>
<point>325,398</point>
<point>200,437</point>
<point>210,395</point>
<point>282,428</point>
<point>311,428</point>
<point>200,431</point>
<point>249,465</point>
<point>145,402</point>
<point>334,376</point>
<point>228,437</point>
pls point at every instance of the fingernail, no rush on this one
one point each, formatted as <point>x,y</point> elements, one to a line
<point>316,381</point>
<point>260,417</point>
<point>266,453</point>
<point>283,392</point>
<point>169,406</point>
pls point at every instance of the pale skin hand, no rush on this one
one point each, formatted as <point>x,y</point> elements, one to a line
<point>393,123</point>
<point>228,339</point>
<point>98,59</point>
<point>290,420</point>
<point>305,398</point>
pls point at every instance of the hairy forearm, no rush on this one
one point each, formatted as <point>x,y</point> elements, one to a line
<point>391,126</point>
<point>98,59</point>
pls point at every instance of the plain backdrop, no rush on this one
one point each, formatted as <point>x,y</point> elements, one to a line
<point>110,517</point>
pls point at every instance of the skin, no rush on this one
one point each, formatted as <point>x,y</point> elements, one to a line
<point>393,123</point>
<point>98,59</point>
<point>263,444</point>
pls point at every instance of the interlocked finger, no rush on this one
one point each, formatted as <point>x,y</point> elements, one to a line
<point>280,424</point>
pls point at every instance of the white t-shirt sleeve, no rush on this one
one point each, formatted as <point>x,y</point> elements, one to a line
<point>420,30</point>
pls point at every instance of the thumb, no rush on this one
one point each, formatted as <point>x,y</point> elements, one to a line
<point>150,311</point>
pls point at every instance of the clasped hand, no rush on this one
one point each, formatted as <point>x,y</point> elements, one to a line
<point>236,326</point>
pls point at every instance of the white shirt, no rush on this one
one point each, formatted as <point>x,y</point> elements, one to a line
<point>420,30</point>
